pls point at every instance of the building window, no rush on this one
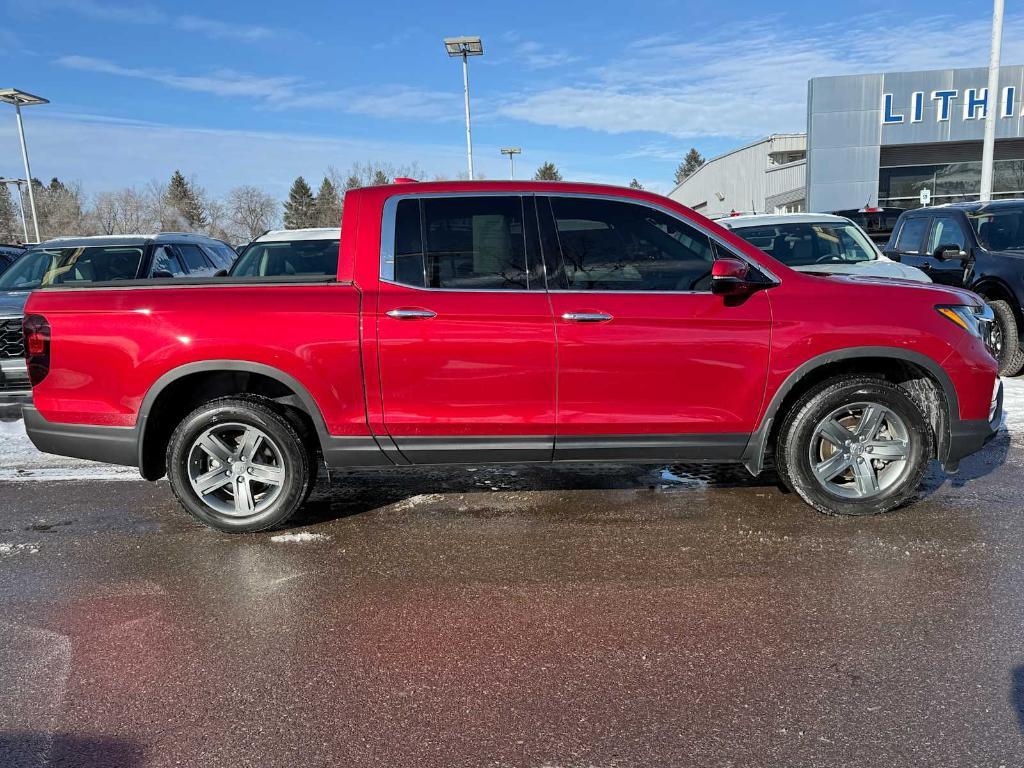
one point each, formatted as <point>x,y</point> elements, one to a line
<point>949,183</point>
<point>783,158</point>
<point>797,206</point>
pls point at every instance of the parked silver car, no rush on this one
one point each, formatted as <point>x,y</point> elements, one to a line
<point>819,243</point>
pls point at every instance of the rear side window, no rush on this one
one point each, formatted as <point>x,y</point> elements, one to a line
<point>468,243</point>
<point>312,258</point>
<point>911,235</point>
<point>609,245</point>
<point>196,260</point>
<point>72,265</point>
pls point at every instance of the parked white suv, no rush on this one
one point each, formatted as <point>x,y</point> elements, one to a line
<point>286,252</point>
<point>819,243</point>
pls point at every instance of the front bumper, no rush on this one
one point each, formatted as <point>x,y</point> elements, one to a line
<point>14,383</point>
<point>113,445</point>
<point>970,436</point>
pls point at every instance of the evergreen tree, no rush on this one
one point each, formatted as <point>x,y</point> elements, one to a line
<point>9,230</point>
<point>328,205</point>
<point>183,198</point>
<point>547,172</point>
<point>352,182</point>
<point>690,163</point>
<point>380,177</point>
<point>300,207</point>
<point>634,184</point>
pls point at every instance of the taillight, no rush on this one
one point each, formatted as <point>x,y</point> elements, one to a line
<point>37,347</point>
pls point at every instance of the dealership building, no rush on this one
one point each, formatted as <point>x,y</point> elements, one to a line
<point>875,140</point>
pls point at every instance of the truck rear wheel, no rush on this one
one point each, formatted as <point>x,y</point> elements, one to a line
<point>238,466</point>
<point>854,446</point>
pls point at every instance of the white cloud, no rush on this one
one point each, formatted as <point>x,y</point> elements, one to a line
<point>750,80</point>
<point>147,14</point>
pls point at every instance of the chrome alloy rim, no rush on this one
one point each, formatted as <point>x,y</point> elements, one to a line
<point>236,469</point>
<point>860,450</point>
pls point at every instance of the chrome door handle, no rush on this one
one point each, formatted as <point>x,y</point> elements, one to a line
<point>586,317</point>
<point>411,314</point>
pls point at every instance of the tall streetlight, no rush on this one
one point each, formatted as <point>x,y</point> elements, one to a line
<point>988,146</point>
<point>512,152</point>
<point>465,47</point>
<point>21,203</point>
<point>20,99</point>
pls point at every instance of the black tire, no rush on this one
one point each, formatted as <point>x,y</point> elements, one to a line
<point>793,445</point>
<point>294,459</point>
<point>1010,357</point>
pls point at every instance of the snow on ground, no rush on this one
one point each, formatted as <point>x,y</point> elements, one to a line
<point>1013,407</point>
<point>300,538</point>
<point>20,461</point>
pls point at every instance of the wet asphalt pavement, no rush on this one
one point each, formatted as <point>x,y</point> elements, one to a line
<point>517,616</point>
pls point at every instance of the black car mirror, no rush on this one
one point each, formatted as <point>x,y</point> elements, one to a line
<point>162,274</point>
<point>949,251</point>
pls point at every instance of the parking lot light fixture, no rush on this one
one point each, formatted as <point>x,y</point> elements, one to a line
<point>512,152</point>
<point>23,99</point>
<point>465,47</point>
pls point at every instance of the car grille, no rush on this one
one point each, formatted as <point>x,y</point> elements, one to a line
<point>12,338</point>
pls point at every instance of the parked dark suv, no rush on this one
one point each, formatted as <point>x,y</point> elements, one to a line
<point>979,246</point>
<point>74,261</point>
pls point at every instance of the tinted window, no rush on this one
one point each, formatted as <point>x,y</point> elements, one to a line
<point>461,243</point>
<point>614,246</point>
<point>911,235</point>
<point>63,266</point>
<point>195,259</point>
<point>1000,230</point>
<point>798,245</point>
<point>286,259</point>
<point>165,262</point>
<point>946,231</point>
<point>221,254</point>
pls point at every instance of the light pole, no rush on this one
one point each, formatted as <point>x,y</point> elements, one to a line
<point>512,152</point>
<point>991,104</point>
<point>465,47</point>
<point>21,202</point>
<point>20,99</point>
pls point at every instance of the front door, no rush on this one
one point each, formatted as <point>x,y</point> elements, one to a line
<point>946,230</point>
<point>652,365</point>
<point>466,338</point>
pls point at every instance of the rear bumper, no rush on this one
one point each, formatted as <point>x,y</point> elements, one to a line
<point>113,445</point>
<point>970,436</point>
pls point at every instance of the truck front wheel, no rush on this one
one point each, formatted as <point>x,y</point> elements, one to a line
<point>238,466</point>
<point>854,446</point>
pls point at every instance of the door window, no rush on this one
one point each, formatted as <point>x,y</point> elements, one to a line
<point>911,235</point>
<point>166,262</point>
<point>198,265</point>
<point>468,243</point>
<point>946,231</point>
<point>609,245</point>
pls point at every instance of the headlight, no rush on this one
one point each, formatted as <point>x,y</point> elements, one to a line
<point>976,320</point>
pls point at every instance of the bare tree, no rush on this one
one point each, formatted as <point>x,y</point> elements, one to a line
<point>251,210</point>
<point>126,211</point>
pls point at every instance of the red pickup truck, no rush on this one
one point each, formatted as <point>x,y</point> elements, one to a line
<point>474,322</point>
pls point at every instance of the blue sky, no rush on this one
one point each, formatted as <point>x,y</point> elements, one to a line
<point>258,93</point>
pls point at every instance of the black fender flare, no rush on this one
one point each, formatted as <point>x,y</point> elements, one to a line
<point>757,446</point>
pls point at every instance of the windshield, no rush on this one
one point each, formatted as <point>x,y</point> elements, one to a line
<point>1001,230</point>
<point>66,266</point>
<point>803,244</point>
<point>297,257</point>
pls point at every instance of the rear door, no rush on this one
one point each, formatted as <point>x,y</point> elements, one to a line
<point>466,342</point>
<point>652,365</point>
<point>910,241</point>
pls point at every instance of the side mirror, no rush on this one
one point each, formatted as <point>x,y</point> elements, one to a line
<point>729,277</point>
<point>949,251</point>
<point>221,273</point>
<point>162,274</point>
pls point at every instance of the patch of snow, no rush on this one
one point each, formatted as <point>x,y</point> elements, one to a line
<point>17,549</point>
<point>299,538</point>
<point>20,461</point>
<point>687,481</point>
<point>1013,406</point>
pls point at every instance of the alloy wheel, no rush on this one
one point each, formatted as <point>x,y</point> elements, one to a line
<point>236,469</point>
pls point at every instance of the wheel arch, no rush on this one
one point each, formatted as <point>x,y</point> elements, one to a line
<point>153,430</point>
<point>993,288</point>
<point>886,360</point>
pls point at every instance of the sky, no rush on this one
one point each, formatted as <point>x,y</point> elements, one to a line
<point>257,93</point>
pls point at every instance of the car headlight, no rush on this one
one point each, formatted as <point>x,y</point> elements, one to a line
<point>976,320</point>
